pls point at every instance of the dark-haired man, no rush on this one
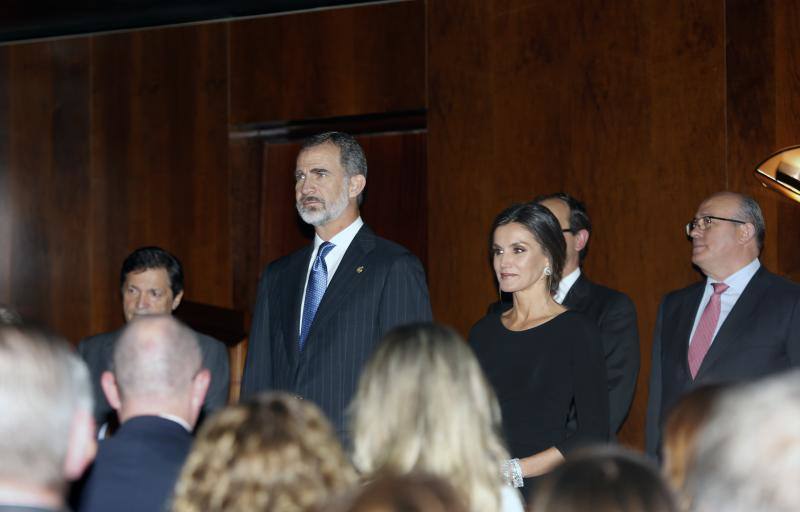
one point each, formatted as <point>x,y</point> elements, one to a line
<point>613,311</point>
<point>151,282</point>
<point>740,323</point>
<point>322,310</point>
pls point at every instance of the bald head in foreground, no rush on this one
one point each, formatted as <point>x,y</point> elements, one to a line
<point>157,385</point>
<point>46,425</point>
<point>739,323</point>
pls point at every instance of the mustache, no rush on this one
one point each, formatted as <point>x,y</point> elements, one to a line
<point>307,199</point>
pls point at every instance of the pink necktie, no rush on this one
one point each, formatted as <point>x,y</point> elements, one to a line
<point>701,340</point>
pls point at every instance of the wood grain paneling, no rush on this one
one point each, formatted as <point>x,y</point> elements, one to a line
<point>328,63</point>
<point>160,158</point>
<point>44,127</point>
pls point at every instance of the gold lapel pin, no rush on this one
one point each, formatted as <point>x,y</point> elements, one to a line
<point>360,269</point>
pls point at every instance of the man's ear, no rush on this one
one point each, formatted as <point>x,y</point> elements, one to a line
<point>746,232</point>
<point>356,185</point>
<point>81,446</point>
<point>200,385</point>
<point>177,300</point>
<point>581,239</point>
<point>110,389</point>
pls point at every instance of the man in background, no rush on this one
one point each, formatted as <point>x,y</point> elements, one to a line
<point>740,323</point>
<point>151,282</point>
<point>612,311</point>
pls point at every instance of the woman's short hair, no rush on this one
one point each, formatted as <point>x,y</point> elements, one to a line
<point>604,479</point>
<point>274,452</point>
<point>546,230</point>
<point>424,404</point>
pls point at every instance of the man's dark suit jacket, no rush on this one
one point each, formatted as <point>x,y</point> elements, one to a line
<point>378,285</point>
<point>615,315</point>
<point>98,350</point>
<point>760,336</point>
<point>136,469</point>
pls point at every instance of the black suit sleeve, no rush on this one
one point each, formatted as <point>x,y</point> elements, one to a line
<point>257,374</point>
<point>653,420</point>
<point>405,294</point>
<point>620,335</point>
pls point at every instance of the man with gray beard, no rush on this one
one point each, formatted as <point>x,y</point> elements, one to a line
<point>323,309</point>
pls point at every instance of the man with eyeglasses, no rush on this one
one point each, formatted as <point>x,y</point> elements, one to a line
<point>740,323</point>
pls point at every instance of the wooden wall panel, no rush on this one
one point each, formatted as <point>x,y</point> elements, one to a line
<point>44,126</point>
<point>160,158</point>
<point>340,62</point>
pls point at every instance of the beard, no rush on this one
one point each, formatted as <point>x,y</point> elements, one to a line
<point>321,215</point>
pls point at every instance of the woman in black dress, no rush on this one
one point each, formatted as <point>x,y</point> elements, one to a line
<point>541,358</point>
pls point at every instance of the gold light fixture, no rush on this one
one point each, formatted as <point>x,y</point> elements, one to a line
<point>781,172</point>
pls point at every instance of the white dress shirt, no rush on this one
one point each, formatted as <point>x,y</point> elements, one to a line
<point>736,284</point>
<point>566,285</point>
<point>341,242</point>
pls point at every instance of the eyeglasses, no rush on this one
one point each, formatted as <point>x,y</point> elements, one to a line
<point>704,222</point>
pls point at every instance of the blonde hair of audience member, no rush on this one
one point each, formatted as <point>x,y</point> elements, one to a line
<point>684,422</point>
<point>412,492</point>
<point>747,456</point>
<point>604,479</point>
<point>272,453</point>
<point>423,403</point>
<point>46,424</point>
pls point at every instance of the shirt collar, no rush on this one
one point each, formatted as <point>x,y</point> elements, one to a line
<point>566,284</point>
<point>177,419</point>
<point>343,237</point>
<point>739,279</point>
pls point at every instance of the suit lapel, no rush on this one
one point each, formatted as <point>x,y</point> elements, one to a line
<point>345,278</point>
<point>736,321</point>
<point>294,299</point>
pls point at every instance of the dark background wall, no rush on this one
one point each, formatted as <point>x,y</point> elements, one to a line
<point>182,137</point>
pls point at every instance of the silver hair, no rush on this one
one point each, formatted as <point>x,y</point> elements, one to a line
<point>749,211</point>
<point>748,454</point>
<point>43,384</point>
<point>156,356</point>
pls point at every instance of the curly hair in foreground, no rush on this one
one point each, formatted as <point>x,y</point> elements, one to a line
<point>272,453</point>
